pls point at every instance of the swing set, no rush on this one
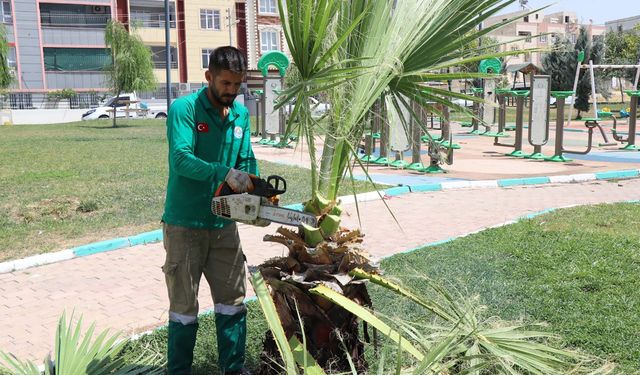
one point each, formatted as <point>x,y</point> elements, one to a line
<point>598,115</point>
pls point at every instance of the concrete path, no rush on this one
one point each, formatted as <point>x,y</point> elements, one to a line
<point>124,289</point>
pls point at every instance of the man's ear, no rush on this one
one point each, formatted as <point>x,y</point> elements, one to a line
<point>208,76</point>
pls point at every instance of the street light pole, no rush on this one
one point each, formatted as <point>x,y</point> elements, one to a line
<point>229,24</point>
<point>167,47</point>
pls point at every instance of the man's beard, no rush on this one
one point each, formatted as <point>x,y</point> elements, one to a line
<point>225,100</point>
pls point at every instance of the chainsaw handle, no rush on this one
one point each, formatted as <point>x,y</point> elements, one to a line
<point>275,181</point>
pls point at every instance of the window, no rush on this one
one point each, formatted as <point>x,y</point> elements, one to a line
<point>268,41</point>
<point>537,16</point>
<point>76,16</point>
<point>210,19</point>
<point>268,6</point>
<point>11,58</point>
<point>5,11</point>
<point>152,17</point>
<point>526,18</point>
<point>205,58</point>
<point>619,28</point>
<point>159,58</point>
<point>566,19</point>
<point>527,34</point>
<point>543,39</point>
<point>553,38</point>
<point>76,59</point>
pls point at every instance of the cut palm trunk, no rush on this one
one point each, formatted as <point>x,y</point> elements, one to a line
<point>325,328</point>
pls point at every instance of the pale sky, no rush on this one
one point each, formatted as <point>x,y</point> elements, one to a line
<point>598,10</point>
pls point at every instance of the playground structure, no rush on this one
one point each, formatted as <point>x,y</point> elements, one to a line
<point>387,145</point>
<point>599,115</point>
<point>272,123</point>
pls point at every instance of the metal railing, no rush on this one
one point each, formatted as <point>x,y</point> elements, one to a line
<point>74,20</point>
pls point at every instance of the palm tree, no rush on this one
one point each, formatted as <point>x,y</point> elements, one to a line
<point>359,53</point>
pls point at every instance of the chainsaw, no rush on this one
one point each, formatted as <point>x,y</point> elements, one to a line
<point>259,206</point>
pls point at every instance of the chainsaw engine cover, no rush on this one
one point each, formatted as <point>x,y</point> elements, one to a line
<point>240,207</point>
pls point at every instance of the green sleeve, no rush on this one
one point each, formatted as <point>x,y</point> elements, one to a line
<point>246,160</point>
<point>181,130</point>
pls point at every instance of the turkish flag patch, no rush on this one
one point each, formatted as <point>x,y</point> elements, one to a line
<point>202,127</point>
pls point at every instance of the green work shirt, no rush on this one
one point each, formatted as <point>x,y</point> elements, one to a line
<point>202,149</point>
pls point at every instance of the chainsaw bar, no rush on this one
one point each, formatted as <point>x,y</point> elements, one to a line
<point>287,216</point>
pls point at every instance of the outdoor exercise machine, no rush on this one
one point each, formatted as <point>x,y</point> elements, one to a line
<point>272,119</point>
<point>489,94</point>
<point>520,96</point>
<point>539,115</point>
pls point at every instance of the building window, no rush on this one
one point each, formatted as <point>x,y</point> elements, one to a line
<point>619,28</point>
<point>76,16</point>
<point>566,19</point>
<point>205,58</point>
<point>11,59</point>
<point>527,34</point>
<point>543,39</point>
<point>268,6</point>
<point>152,17</point>
<point>268,41</point>
<point>537,16</point>
<point>5,11</point>
<point>210,19</point>
<point>526,18</point>
<point>159,58</point>
<point>76,59</point>
<point>553,38</point>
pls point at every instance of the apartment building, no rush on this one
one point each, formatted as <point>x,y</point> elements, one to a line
<point>59,44</point>
<point>559,24</point>
<point>55,45</point>
<point>623,24</point>
<point>196,28</point>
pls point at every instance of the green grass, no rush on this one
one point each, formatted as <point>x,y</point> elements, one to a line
<point>576,269</point>
<point>73,184</point>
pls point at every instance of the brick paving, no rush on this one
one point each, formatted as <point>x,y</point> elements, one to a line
<point>124,289</point>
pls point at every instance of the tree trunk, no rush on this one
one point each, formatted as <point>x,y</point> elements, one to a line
<point>114,105</point>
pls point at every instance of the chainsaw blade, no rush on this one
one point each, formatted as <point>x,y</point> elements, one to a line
<point>287,216</point>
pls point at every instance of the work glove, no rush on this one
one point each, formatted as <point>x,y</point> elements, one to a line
<point>239,181</point>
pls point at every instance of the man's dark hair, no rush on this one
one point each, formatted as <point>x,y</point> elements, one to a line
<point>227,58</point>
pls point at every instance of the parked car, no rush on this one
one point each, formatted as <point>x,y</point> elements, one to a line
<point>137,108</point>
<point>318,109</point>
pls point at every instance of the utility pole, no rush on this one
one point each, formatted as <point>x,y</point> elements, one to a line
<point>167,47</point>
<point>229,24</point>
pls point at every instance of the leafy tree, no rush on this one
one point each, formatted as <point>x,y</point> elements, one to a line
<point>5,71</point>
<point>370,57</point>
<point>560,64</point>
<point>622,48</point>
<point>592,52</point>
<point>132,67</point>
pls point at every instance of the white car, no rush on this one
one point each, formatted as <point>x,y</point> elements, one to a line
<point>137,109</point>
<point>318,109</point>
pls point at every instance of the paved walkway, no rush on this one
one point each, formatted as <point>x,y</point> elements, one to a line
<point>124,289</point>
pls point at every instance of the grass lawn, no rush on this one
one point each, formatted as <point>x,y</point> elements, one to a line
<point>576,269</point>
<point>73,184</point>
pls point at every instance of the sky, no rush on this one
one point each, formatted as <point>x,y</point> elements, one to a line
<point>587,9</point>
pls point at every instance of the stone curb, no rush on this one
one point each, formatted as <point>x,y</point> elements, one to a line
<point>156,235</point>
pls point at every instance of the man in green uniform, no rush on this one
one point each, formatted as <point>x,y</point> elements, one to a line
<point>208,135</point>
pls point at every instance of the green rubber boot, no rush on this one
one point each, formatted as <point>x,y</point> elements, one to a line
<point>231,332</point>
<point>182,340</point>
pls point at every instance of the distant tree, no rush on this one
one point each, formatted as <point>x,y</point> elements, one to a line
<point>622,48</point>
<point>592,52</point>
<point>6,76</point>
<point>560,64</point>
<point>132,67</point>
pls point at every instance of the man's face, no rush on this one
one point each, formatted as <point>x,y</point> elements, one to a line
<point>224,85</point>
